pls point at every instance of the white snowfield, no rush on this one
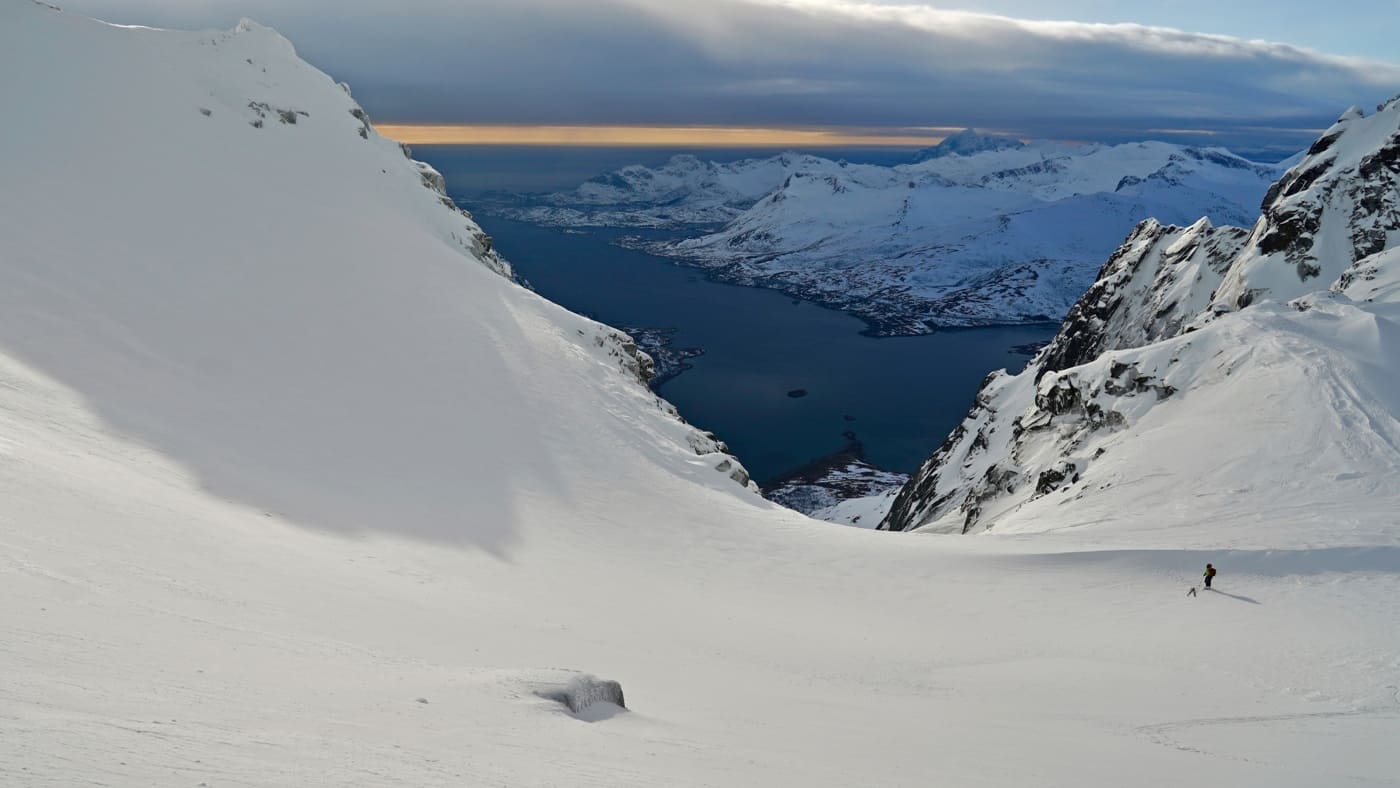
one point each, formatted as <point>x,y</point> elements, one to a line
<point>297,490</point>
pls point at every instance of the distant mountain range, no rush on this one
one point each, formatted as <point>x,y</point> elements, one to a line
<point>979,230</point>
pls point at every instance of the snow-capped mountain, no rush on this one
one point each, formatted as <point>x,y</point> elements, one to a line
<point>1260,367</point>
<point>684,192</point>
<point>981,230</point>
<point>1009,235</point>
<point>298,491</point>
<point>968,142</point>
<point>1332,210</point>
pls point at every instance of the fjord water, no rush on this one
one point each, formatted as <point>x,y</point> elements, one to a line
<point>900,396</point>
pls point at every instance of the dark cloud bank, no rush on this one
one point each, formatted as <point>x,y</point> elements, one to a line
<point>799,62</point>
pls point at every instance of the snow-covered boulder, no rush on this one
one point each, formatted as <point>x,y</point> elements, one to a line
<point>582,694</point>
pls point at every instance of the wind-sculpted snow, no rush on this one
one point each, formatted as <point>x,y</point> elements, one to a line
<point>1155,375</point>
<point>981,230</point>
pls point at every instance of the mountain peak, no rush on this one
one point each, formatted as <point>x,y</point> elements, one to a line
<point>968,142</point>
<point>1332,209</point>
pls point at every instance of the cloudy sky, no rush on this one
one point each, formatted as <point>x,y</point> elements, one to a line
<point>1249,74</point>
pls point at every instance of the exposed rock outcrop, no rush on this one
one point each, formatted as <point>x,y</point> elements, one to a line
<point>1340,204</point>
<point>1153,285</point>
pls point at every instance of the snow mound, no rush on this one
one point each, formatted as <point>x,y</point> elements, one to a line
<point>580,694</point>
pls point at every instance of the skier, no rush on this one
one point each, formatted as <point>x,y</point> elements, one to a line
<point>1209,575</point>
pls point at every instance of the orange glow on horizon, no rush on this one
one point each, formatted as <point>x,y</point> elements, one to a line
<point>659,136</point>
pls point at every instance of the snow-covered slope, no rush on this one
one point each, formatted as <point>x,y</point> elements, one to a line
<point>981,230</point>
<point>237,270</point>
<point>683,192</point>
<point>1156,383</point>
<point>298,492</point>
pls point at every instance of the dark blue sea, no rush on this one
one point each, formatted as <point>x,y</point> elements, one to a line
<point>898,396</point>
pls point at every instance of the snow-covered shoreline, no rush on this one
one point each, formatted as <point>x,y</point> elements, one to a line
<point>979,231</point>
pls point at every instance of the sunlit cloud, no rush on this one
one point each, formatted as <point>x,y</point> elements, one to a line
<point>656,136</point>
<point>981,27</point>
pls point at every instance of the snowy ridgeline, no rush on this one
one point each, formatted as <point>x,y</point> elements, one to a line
<point>300,492</point>
<point>320,276</point>
<point>979,230</point>
<point>1259,368</point>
